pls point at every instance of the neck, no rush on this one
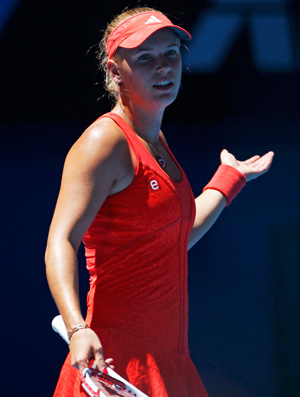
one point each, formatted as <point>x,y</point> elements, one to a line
<point>145,123</point>
<point>159,157</point>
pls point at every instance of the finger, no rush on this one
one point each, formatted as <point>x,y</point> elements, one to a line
<point>81,365</point>
<point>252,160</point>
<point>262,164</point>
<point>262,167</point>
<point>100,360</point>
<point>265,162</point>
<point>78,364</point>
<point>268,158</point>
<point>109,361</point>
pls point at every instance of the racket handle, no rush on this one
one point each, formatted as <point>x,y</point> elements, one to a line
<point>58,326</point>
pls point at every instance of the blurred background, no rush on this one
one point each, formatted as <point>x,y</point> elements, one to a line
<point>240,90</point>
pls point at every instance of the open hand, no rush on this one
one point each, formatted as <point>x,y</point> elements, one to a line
<point>252,168</point>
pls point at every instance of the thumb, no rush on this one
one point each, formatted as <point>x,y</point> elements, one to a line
<point>224,153</point>
<point>228,159</point>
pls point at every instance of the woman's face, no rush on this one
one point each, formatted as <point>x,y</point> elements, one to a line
<point>151,73</point>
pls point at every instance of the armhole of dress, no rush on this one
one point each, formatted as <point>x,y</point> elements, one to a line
<point>128,134</point>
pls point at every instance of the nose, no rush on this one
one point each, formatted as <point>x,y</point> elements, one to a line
<point>163,65</point>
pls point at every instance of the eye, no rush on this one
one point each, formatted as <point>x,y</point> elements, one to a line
<point>172,51</point>
<point>144,57</point>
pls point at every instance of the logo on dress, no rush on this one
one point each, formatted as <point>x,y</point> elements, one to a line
<point>152,20</point>
<point>154,184</point>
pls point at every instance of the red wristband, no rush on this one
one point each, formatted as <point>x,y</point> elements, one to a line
<point>228,181</point>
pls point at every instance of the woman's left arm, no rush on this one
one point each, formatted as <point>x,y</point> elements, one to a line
<point>211,202</point>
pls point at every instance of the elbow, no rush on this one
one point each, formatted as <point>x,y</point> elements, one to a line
<point>48,254</point>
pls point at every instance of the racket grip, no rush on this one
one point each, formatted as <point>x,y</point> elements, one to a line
<point>58,326</point>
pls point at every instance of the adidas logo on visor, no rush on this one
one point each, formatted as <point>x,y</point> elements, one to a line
<point>152,20</point>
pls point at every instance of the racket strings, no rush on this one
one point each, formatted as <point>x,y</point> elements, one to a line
<point>110,388</point>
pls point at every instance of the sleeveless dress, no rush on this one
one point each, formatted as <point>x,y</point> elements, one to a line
<point>136,253</point>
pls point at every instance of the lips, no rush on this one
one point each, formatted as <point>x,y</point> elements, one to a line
<point>163,84</point>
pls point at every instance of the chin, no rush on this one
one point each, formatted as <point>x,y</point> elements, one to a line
<point>167,99</point>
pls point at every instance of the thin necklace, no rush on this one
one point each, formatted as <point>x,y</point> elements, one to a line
<point>161,161</point>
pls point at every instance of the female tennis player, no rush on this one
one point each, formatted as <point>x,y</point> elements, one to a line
<point>124,194</point>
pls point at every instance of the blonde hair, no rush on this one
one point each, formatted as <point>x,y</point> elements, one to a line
<point>102,57</point>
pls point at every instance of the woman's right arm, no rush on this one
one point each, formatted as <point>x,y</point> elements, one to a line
<point>94,168</point>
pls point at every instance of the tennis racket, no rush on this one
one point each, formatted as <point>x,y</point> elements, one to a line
<point>99,383</point>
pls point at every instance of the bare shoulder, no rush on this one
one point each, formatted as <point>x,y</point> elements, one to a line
<point>100,141</point>
<point>106,131</point>
<point>103,144</point>
<point>102,155</point>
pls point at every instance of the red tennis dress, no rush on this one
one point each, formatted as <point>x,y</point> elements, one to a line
<point>136,252</point>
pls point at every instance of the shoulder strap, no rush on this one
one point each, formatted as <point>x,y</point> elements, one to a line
<point>123,125</point>
<point>132,138</point>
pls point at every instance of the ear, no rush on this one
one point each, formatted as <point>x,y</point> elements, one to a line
<point>113,70</point>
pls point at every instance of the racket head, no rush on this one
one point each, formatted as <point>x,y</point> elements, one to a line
<point>99,384</point>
